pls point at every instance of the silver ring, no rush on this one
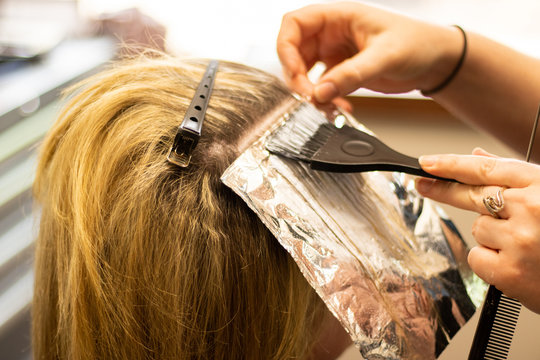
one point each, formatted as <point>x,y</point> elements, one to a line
<point>494,204</point>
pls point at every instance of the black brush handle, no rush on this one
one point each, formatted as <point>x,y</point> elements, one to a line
<point>375,166</point>
<point>351,150</point>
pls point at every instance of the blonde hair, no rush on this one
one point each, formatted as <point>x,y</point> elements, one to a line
<point>139,259</point>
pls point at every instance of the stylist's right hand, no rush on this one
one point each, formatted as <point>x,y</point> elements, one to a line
<point>363,46</point>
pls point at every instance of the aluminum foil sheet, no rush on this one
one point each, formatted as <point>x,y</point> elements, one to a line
<point>387,263</point>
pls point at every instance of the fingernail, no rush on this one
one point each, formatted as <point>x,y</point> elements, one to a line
<point>427,160</point>
<point>478,149</point>
<point>424,185</point>
<point>325,92</point>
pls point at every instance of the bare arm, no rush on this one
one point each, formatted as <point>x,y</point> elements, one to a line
<point>497,89</point>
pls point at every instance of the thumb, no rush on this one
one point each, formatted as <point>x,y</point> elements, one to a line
<point>349,75</point>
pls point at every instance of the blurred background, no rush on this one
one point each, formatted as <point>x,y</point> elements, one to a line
<point>45,45</point>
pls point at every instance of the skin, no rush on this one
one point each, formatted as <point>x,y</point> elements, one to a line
<point>497,89</point>
<point>508,250</point>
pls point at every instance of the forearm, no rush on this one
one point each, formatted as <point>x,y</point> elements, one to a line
<point>497,89</point>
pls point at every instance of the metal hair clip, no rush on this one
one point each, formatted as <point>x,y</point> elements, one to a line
<point>189,131</point>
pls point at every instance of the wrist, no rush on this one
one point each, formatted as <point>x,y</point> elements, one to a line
<point>451,51</point>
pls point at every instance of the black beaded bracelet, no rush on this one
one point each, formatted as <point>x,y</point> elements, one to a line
<point>456,69</point>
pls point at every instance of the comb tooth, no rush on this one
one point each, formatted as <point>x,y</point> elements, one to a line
<point>502,331</point>
<point>495,329</point>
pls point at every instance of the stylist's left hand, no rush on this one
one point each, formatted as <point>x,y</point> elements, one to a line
<point>508,251</point>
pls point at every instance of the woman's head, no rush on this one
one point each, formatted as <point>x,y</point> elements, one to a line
<point>138,258</point>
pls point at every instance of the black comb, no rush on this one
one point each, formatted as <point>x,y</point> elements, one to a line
<point>496,326</point>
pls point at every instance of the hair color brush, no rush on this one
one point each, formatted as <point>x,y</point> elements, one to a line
<point>308,136</point>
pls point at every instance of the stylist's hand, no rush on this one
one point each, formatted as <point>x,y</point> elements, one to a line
<point>363,46</point>
<point>508,251</point>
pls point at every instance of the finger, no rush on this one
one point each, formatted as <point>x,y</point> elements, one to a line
<point>490,233</point>
<point>481,170</point>
<point>350,74</point>
<point>302,85</point>
<point>295,71</point>
<point>290,57</point>
<point>463,196</point>
<point>309,51</point>
<point>484,262</point>
<point>296,28</point>
<point>343,104</point>
<point>481,152</point>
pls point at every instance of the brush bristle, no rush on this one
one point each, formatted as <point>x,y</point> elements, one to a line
<point>302,135</point>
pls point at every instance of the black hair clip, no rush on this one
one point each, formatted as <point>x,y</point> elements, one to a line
<point>189,131</point>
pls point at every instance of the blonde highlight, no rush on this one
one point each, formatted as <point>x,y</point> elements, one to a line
<point>138,259</point>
